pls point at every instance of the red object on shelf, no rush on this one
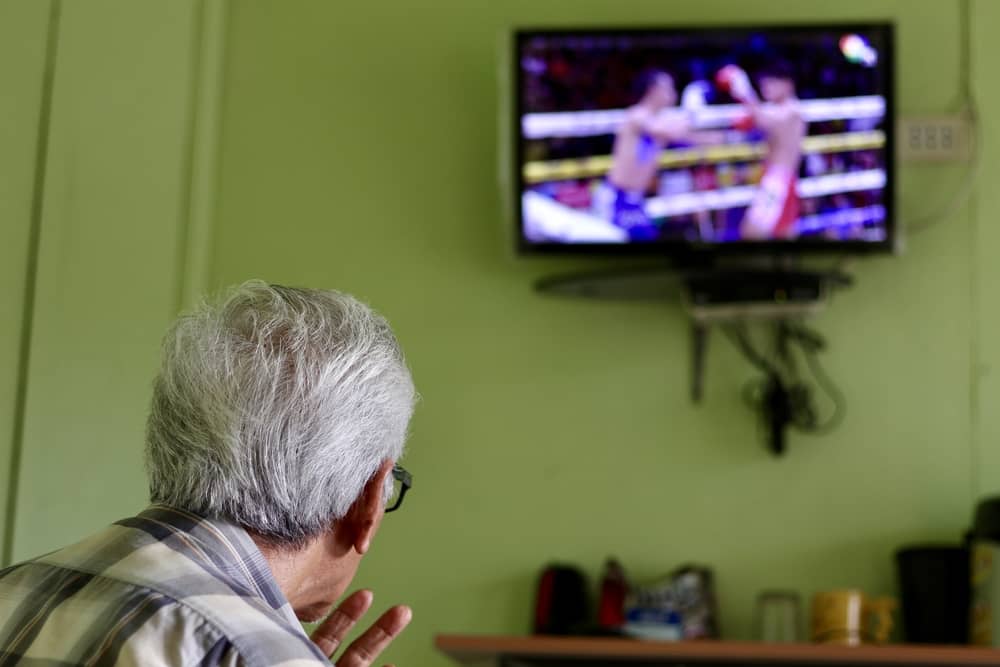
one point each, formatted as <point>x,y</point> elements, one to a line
<point>614,588</point>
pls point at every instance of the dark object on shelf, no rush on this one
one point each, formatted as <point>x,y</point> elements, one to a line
<point>561,606</point>
<point>984,614</point>
<point>934,588</point>
<point>749,287</point>
<point>702,284</point>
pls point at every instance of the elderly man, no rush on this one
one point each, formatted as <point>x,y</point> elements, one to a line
<point>277,420</point>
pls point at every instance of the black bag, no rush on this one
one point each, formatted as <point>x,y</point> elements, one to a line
<point>561,606</point>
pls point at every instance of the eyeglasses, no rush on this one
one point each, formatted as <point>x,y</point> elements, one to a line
<point>402,480</point>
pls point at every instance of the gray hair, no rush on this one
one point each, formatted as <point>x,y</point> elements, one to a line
<point>274,408</point>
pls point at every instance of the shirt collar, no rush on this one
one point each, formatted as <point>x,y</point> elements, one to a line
<point>226,548</point>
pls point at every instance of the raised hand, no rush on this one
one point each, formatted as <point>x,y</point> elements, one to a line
<point>364,650</point>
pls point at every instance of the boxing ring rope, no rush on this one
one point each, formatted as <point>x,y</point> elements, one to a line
<point>561,124</point>
<point>741,195</point>
<point>598,165</point>
<point>547,219</point>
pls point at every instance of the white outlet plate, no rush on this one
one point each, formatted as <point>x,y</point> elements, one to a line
<point>933,139</point>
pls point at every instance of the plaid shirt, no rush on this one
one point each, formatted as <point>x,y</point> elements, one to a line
<point>162,588</point>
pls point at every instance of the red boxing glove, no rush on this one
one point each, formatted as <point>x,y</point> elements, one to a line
<point>733,80</point>
<point>744,123</point>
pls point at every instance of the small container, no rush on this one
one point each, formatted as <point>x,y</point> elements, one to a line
<point>778,617</point>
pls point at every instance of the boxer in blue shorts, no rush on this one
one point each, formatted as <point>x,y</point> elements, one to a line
<point>646,130</point>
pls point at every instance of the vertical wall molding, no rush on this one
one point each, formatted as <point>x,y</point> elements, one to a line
<point>203,151</point>
<point>31,278</point>
<point>124,217</point>
<point>195,215</point>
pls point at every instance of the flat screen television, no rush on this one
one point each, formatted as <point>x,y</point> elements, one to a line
<point>735,139</point>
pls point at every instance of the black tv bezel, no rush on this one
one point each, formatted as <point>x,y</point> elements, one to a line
<point>676,249</point>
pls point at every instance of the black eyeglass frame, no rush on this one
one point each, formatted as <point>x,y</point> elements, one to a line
<point>405,479</point>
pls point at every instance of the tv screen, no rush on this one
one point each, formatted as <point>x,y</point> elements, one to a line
<point>771,138</point>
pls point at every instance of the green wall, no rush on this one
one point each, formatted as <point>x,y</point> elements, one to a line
<point>113,225</point>
<point>359,151</point>
<point>986,245</point>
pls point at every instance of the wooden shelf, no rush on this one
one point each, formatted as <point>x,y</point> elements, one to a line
<point>500,650</point>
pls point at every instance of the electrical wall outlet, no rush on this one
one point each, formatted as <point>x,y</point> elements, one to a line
<point>934,139</point>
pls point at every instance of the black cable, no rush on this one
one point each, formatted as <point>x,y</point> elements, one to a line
<point>800,410</point>
<point>825,383</point>
<point>811,343</point>
<point>771,401</point>
<point>739,337</point>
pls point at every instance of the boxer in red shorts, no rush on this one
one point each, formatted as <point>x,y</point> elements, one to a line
<point>775,207</point>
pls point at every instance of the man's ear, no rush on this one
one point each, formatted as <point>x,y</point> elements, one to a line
<point>366,513</point>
